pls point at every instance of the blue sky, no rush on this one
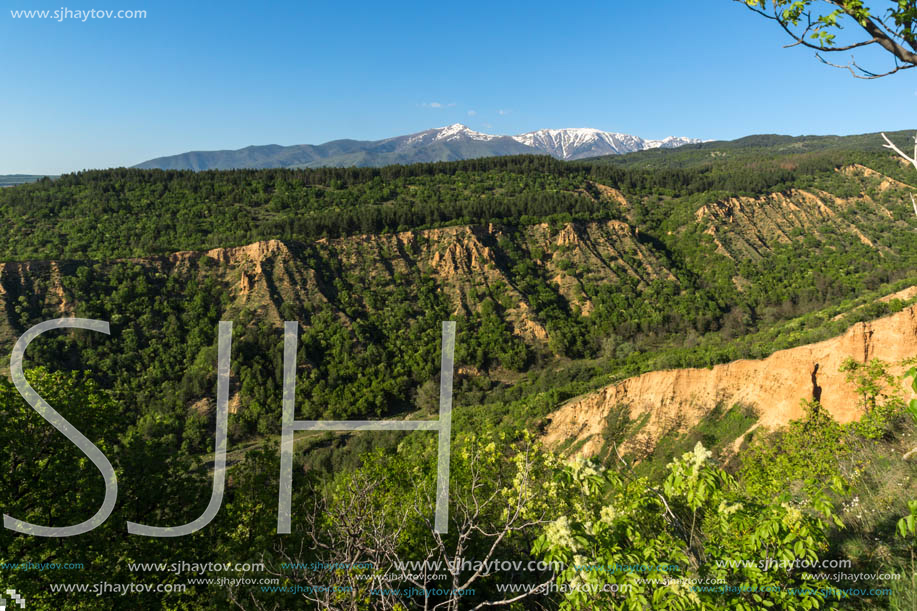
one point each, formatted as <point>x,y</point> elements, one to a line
<point>212,75</point>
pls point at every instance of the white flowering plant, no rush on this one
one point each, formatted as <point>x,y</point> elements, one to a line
<point>699,541</point>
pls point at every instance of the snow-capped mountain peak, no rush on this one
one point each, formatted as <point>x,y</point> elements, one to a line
<point>569,143</point>
<point>581,142</point>
<point>458,130</point>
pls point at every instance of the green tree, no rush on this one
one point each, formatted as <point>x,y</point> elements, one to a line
<point>816,24</point>
<point>628,544</point>
<point>45,479</point>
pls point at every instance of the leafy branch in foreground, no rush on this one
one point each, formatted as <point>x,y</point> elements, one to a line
<point>698,541</point>
<point>374,528</point>
<point>815,24</point>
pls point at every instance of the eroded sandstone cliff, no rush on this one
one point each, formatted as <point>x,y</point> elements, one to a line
<point>775,386</point>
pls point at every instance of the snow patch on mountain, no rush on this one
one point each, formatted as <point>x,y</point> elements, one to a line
<point>457,130</point>
<point>453,132</point>
<point>581,142</point>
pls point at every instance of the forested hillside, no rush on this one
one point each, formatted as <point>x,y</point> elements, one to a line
<point>538,261</point>
<point>562,278</point>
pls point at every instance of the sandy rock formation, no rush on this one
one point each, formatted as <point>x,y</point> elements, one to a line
<point>775,386</point>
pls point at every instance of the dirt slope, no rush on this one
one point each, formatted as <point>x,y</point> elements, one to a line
<point>775,386</point>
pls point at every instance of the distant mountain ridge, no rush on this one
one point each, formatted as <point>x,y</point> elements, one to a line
<point>11,180</point>
<point>449,143</point>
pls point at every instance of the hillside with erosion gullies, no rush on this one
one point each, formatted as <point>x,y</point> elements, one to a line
<point>775,387</point>
<point>719,329</point>
<point>576,273</point>
<point>466,264</point>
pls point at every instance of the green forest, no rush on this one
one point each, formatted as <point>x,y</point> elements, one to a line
<point>562,277</point>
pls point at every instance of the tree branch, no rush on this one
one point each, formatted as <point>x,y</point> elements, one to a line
<point>891,145</point>
<point>885,40</point>
<point>863,73</point>
<point>893,40</point>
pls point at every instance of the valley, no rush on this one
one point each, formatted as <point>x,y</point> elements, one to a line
<point>617,313</point>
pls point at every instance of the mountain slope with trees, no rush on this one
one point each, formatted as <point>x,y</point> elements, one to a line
<point>562,278</point>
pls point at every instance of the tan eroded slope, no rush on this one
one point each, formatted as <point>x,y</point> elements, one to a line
<point>775,386</point>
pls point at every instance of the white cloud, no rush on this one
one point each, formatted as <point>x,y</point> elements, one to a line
<point>502,112</point>
<point>437,105</point>
<point>472,113</point>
